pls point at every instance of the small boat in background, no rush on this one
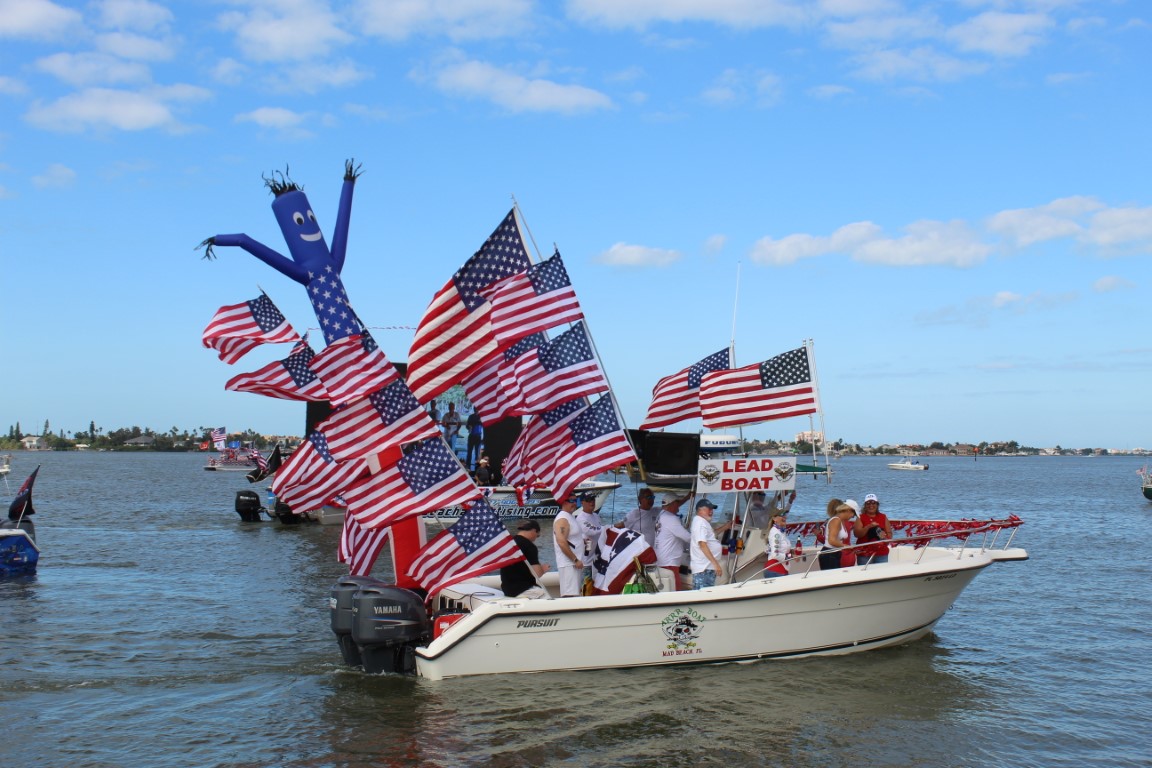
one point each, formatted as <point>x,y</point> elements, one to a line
<point>235,460</point>
<point>19,554</point>
<point>1145,482</point>
<point>907,463</point>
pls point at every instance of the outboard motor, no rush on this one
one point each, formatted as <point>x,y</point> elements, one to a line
<point>285,515</point>
<point>340,610</point>
<point>248,506</point>
<point>388,624</point>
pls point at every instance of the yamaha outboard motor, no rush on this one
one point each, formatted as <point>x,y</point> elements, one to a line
<point>388,624</point>
<point>340,610</point>
<point>248,506</point>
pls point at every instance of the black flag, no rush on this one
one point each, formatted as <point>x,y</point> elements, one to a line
<point>273,464</point>
<point>22,504</point>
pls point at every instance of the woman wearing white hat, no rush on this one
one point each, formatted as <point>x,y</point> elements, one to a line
<point>873,525</point>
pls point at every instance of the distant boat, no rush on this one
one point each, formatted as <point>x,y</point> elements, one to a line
<point>18,551</point>
<point>1145,482</point>
<point>907,463</point>
<point>234,460</point>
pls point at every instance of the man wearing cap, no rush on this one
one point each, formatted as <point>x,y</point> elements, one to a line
<point>704,552</point>
<point>519,579</point>
<point>589,522</point>
<point>671,536</point>
<point>569,542</point>
<point>645,516</point>
<point>872,525</point>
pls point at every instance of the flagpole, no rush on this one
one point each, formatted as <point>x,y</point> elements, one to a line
<point>819,411</point>
<point>732,344</point>
<point>524,220</point>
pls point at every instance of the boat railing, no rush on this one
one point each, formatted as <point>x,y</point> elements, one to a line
<point>920,533</point>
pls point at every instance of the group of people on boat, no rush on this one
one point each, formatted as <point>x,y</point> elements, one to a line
<point>577,530</point>
<point>451,422</point>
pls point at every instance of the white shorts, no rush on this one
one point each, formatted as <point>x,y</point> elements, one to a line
<point>570,580</point>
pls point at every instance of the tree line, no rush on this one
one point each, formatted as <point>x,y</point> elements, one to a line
<point>98,438</point>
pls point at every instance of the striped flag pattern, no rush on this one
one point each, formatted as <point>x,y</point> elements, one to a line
<point>236,329</point>
<point>534,300</point>
<point>287,379</point>
<point>677,397</point>
<point>476,543</point>
<point>774,389</point>
<point>384,419</point>
<point>352,367</point>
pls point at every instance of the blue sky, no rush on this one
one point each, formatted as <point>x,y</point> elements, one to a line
<point>950,198</point>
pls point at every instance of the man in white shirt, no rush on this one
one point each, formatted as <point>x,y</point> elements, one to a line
<point>589,523</point>
<point>569,542</point>
<point>671,537</point>
<point>704,551</point>
<point>645,516</point>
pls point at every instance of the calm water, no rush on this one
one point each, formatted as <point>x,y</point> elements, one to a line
<point>162,631</point>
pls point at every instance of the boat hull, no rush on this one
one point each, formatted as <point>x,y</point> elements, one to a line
<point>818,613</point>
<point>19,554</point>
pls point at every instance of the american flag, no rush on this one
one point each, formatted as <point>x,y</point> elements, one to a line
<point>538,440</point>
<point>330,302</point>
<point>237,328</point>
<point>535,300</point>
<point>677,397</point>
<point>359,546</point>
<point>774,389</point>
<point>455,335</point>
<point>266,467</point>
<point>352,367</point>
<point>427,477</point>
<point>219,436</point>
<point>386,418</point>
<point>493,389</point>
<point>287,379</point>
<point>559,371</point>
<point>311,477</point>
<point>476,543</point>
<point>594,442</point>
<point>613,565</point>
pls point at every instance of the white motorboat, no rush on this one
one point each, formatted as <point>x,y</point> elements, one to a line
<point>233,460</point>
<point>907,463</point>
<point>475,630</point>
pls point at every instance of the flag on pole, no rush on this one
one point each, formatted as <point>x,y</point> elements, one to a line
<point>677,397</point>
<point>311,477</point>
<point>219,437</point>
<point>266,467</point>
<point>538,440</point>
<point>237,328</point>
<point>561,370</point>
<point>493,389</point>
<point>476,543</point>
<point>287,379</point>
<point>427,477</point>
<point>360,546</point>
<point>774,389</point>
<point>386,418</point>
<point>455,335</point>
<point>352,367</point>
<point>21,506</point>
<point>593,442</point>
<point>539,298</point>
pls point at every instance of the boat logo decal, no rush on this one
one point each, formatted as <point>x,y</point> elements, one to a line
<point>682,627</point>
<point>783,470</point>
<point>710,473</point>
<point>536,623</point>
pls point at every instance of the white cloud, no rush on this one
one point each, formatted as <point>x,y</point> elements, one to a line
<point>102,108</point>
<point>11,86</point>
<point>715,244</point>
<point>923,64</point>
<point>36,19</point>
<point>979,311</point>
<point>140,15</point>
<point>455,19</point>
<point>57,176</point>
<point>1121,227</point>
<point>881,30</point>
<point>790,249</point>
<point>1110,283</point>
<point>128,45</point>
<point>735,86</point>
<point>285,30</point>
<point>944,243</point>
<point>513,91</point>
<point>830,91</point>
<point>624,255</point>
<point>90,68</point>
<point>284,121</point>
<point>1026,226</point>
<point>740,14</point>
<point>1001,34</point>
<point>316,76</point>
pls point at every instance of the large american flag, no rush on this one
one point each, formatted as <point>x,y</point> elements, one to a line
<point>559,371</point>
<point>287,379</point>
<point>426,478</point>
<point>476,543</point>
<point>455,335</point>
<point>311,477</point>
<point>677,397</point>
<point>352,367</point>
<point>532,451</point>
<point>237,328</point>
<point>493,389</point>
<point>774,389</point>
<point>534,300</point>
<point>359,546</point>
<point>384,419</point>
<point>330,302</point>
<point>593,442</point>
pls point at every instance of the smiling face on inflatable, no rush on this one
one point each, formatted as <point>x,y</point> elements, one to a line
<point>301,232</point>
